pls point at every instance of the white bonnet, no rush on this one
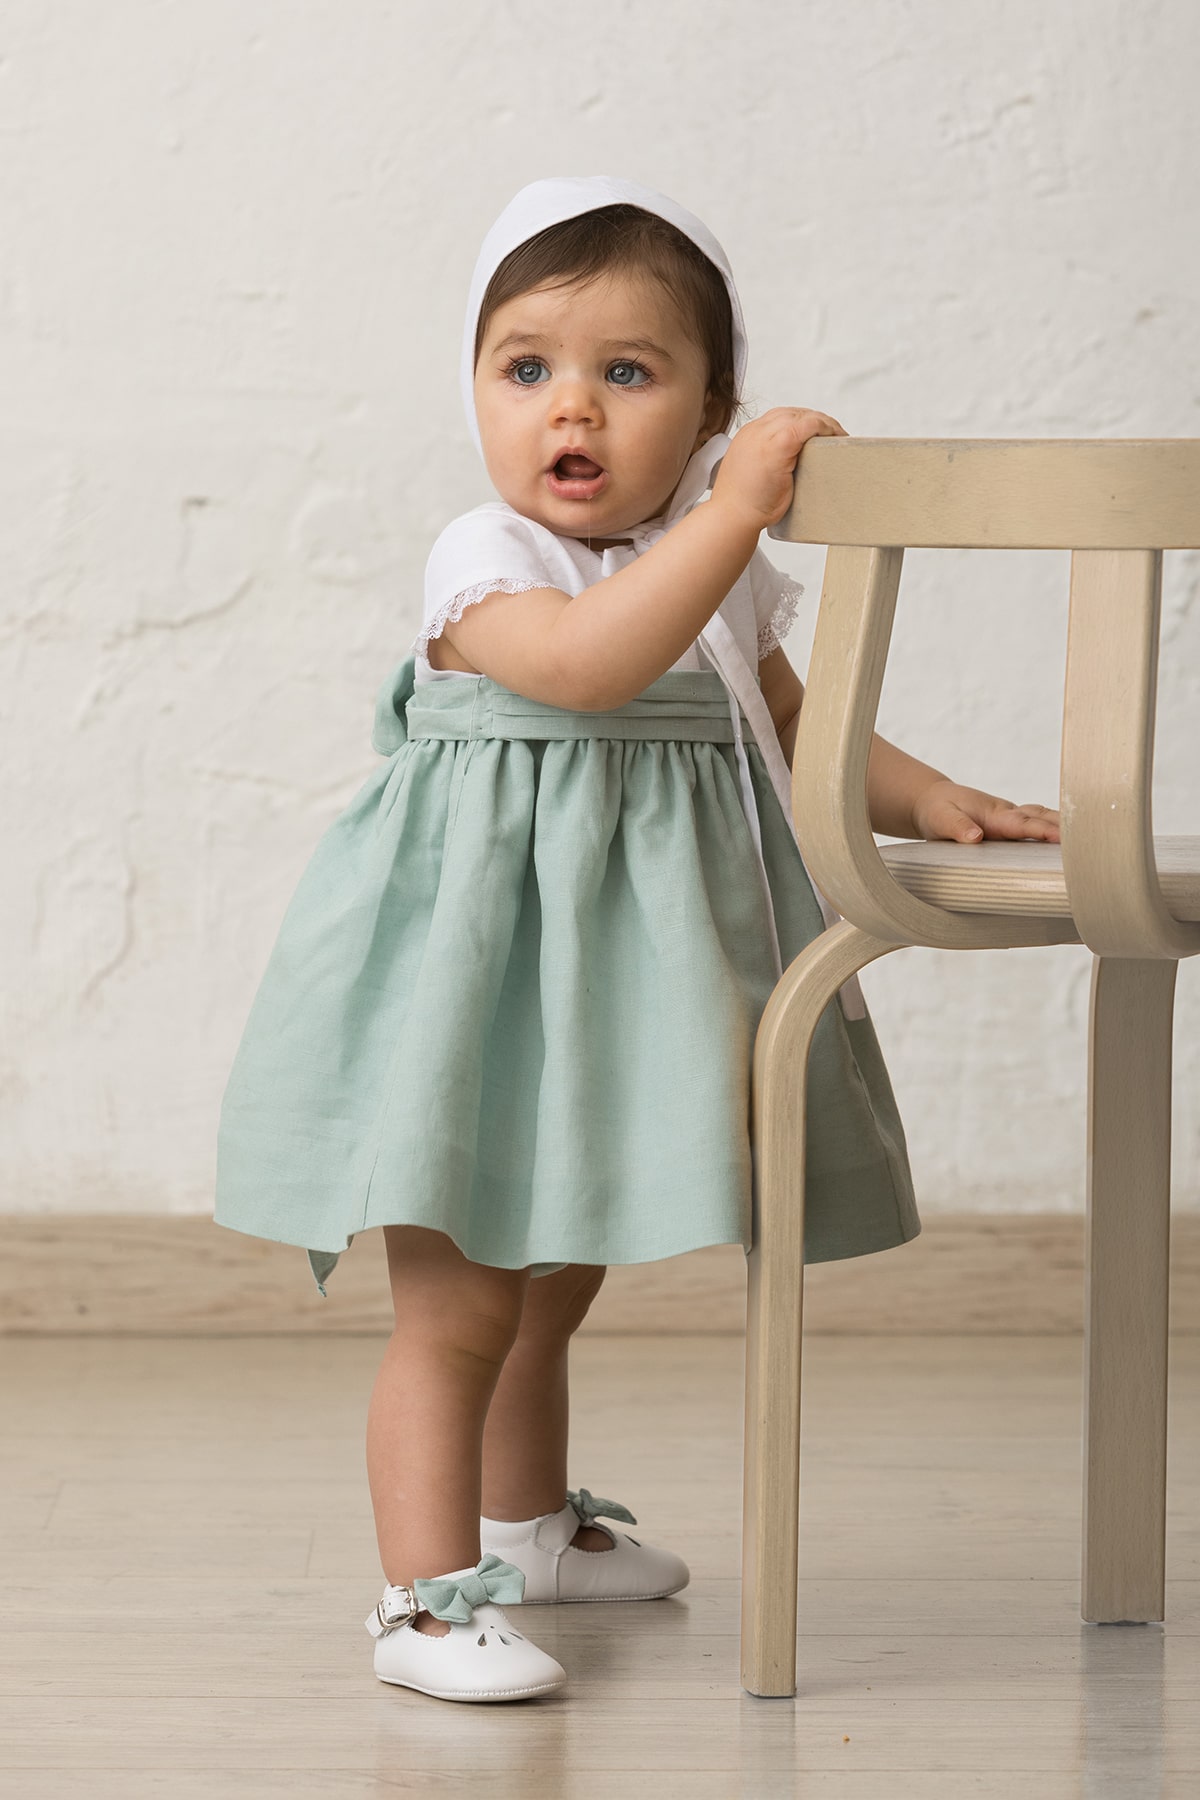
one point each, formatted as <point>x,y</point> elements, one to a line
<point>548,202</point>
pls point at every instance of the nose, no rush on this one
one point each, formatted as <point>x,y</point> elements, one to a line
<point>576,400</point>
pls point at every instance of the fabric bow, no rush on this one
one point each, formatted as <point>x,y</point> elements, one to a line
<point>589,1508</point>
<point>391,726</point>
<point>454,1598</point>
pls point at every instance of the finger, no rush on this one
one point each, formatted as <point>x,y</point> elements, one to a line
<point>1043,823</point>
<point>962,827</point>
<point>818,423</point>
<point>1024,822</point>
<point>823,428</point>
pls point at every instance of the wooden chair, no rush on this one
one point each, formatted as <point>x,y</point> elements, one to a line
<point>1133,899</point>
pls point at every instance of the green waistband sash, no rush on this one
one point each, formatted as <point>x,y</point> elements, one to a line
<point>688,705</point>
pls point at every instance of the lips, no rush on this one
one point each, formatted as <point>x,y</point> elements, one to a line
<point>578,467</point>
<point>576,476</point>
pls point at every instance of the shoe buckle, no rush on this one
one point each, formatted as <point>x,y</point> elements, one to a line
<point>384,1618</point>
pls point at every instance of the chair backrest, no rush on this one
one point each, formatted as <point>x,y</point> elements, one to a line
<point>1116,504</point>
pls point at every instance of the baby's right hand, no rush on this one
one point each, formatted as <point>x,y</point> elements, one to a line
<point>757,470</point>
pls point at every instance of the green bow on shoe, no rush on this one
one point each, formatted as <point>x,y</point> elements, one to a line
<point>455,1599</point>
<point>588,1508</point>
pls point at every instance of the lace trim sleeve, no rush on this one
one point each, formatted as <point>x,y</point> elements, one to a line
<point>455,608</point>
<point>772,634</point>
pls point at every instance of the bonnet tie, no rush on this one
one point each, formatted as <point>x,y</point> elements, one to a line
<point>744,693</point>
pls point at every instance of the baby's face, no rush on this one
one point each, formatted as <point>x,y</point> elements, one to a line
<point>609,370</point>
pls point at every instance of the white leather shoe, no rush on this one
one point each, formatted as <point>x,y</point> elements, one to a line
<point>481,1657</point>
<point>554,1569</point>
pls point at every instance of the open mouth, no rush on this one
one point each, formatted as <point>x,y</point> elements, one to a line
<point>576,477</point>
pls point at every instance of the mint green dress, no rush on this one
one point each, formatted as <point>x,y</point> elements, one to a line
<point>515,993</point>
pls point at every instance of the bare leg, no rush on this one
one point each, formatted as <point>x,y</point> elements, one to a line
<point>455,1323</point>
<point>525,1438</point>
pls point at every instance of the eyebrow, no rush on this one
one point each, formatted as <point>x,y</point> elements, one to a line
<point>630,343</point>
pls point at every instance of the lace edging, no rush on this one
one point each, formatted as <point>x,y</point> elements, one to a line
<point>455,608</point>
<point>772,634</point>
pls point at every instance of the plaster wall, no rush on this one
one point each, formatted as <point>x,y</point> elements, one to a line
<point>235,241</point>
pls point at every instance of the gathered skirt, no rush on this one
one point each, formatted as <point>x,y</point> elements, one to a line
<point>515,992</point>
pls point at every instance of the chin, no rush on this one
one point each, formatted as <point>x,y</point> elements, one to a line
<point>575,521</point>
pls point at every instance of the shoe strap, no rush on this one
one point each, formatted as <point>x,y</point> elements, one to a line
<point>397,1607</point>
<point>555,1531</point>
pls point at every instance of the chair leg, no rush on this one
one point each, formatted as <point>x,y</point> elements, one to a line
<point>775,1295</point>
<point>1126,1290</point>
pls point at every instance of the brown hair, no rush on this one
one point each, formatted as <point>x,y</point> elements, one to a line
<point>630,239</point>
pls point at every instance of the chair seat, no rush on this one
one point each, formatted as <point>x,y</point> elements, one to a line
<point>1000,876</point>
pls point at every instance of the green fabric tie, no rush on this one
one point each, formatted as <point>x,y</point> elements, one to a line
<point>589,1508</point>
<point>455,1599</point>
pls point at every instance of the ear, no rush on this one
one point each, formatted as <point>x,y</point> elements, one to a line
<point>716,418</point>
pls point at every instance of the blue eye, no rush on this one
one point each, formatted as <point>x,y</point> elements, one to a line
<point>623,374</point>
<point>525,362</point>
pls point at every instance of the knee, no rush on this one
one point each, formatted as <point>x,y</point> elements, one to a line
<point>450,1306</point>
<point>484,1333</point>
<point>556,1305</point>
<point>463,1329</point>
<point>590,1281</point>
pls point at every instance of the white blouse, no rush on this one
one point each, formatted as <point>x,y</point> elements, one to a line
<point>494,549</point>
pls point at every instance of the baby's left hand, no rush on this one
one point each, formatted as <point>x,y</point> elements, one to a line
<point>968,815</point>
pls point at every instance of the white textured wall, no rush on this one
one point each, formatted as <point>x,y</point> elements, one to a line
<point>235,240</point>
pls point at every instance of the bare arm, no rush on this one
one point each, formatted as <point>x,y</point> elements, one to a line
<point>607,644</point>
<point>907,798</point>
<point>895,780</point>
<point>611,641</point>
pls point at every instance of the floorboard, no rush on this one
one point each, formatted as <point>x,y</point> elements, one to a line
<point>187,1556</point>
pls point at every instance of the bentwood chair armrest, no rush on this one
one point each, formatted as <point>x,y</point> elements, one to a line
<point>1116,504</point>
<point>996,493</point>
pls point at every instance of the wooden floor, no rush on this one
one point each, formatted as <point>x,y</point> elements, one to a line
<point>188,1556</point>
